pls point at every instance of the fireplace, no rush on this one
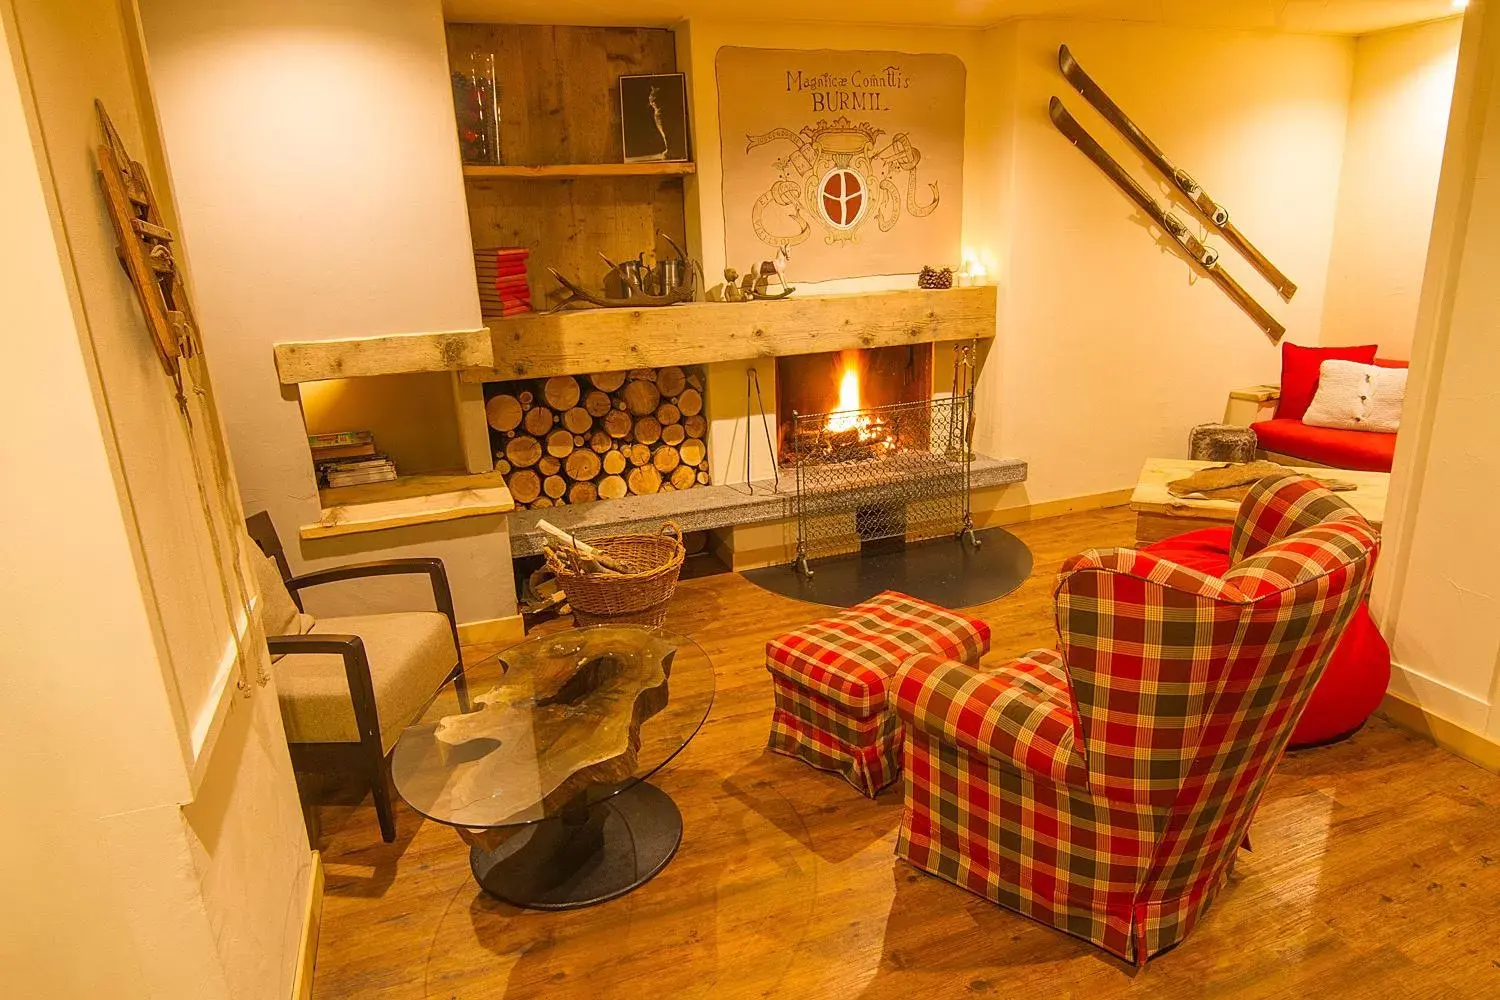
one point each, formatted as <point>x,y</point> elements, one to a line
<point>876,460</point>
<point>839,384</point>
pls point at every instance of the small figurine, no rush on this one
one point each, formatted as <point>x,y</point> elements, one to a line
<point>732,290</point>
<point>758,286</point>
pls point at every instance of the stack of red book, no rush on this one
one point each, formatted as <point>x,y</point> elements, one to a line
<point>503,288</point>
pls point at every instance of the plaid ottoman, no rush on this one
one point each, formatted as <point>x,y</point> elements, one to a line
<point>830,681</point>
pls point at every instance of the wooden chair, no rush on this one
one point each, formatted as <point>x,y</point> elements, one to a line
<point>392,666</point>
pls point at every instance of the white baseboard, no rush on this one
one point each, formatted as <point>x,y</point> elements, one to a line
<point>1439,698</point>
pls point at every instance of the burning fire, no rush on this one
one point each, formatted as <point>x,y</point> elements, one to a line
<point>846,416</point>
<point>843,418</point>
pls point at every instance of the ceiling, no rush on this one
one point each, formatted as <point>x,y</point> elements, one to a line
<point>1338,17</point>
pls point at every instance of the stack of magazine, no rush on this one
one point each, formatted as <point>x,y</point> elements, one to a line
<point>349,458</point>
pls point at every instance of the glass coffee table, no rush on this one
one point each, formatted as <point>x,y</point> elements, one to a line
<point>544,775</point>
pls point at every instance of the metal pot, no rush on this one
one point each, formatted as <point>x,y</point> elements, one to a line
<point>625,273</point>
<point>673,273</point>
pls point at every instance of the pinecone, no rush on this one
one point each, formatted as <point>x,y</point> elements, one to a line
<point>931,277</point>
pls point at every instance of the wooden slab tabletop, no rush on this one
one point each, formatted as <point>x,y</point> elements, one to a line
<point>1151,496</point>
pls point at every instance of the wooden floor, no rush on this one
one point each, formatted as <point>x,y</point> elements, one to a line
<point>1375,873</point>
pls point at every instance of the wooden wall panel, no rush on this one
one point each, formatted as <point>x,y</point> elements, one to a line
<point>559,103</point>
<point>567,224</point>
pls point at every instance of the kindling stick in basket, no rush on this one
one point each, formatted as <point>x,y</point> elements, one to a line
<point>584,549</point>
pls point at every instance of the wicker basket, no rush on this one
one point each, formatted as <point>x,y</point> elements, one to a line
<point>638,598</point>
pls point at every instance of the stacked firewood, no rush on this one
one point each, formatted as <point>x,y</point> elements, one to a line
<point>568,440</point>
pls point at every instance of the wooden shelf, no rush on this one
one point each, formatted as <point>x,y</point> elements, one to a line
<point>398,354</point>
<point>583,341</point>
<point>408,500</point>
<point>565,171</point>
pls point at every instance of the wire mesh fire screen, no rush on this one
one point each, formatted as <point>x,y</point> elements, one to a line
<point>886,475</point>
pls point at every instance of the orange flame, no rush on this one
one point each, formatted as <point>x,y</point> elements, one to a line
<point>845,416</point>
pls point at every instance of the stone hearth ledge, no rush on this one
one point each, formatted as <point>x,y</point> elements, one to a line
<point>701,509</point>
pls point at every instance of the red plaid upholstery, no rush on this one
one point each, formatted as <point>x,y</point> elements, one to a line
<point>1105,790</point>
<point>829,680</point>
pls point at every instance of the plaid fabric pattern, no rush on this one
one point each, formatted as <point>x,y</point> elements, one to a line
<point>1180,693</point>
<point>1023,715</point>
<point>829,679</point>
<point>866,752</point>
<point>1280,506</point>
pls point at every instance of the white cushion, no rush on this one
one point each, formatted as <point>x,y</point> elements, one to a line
<point>410,653</point>
<point>1356,397</point>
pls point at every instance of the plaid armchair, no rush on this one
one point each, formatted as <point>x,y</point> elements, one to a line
<point>1104,789</point>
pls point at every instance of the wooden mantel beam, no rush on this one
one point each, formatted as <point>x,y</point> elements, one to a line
<point>402,353</point>
<point>595,340</point>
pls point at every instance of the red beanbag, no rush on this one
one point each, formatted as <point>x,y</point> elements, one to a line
<point>1299,373</point>
<point>1351,687</point>
<point>1357,674</point>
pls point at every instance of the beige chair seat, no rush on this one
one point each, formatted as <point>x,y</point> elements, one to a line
<point>410,653</point>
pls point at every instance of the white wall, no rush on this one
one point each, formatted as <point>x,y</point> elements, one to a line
<point>1436,595</point>
<point>1398,119</point>
<point>138,861</point>
<point>317,170</point>
<point>1113,350</point>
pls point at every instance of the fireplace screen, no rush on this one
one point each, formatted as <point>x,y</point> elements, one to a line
<point>881,476</point>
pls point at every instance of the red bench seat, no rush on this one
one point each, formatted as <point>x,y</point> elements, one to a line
<point>1342,449</point>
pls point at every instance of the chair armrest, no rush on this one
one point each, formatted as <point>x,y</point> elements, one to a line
<point>356,669</point>
<point>1251,404</point>
<point>442,595</point>
<point>1007,716</point>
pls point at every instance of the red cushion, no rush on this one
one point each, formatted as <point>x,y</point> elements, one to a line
<point>1205,550</point>
<point>1342,449</point>
<point>1391,363</point>
<point>1299,373</point>
<point>1357,674</point>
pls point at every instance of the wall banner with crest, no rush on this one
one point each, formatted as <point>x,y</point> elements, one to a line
<point>851,161</point>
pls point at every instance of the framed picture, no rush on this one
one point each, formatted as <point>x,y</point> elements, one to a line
<point>653,117</point>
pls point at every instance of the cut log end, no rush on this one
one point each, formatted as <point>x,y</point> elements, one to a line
<point>693,451</point>
<point>644,480</point>
<point>561,392</point>
<point>504,412</point>
<point>525,486</point>
<point>641,397</point>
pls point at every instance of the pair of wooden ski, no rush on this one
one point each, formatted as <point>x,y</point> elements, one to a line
<point>1213,213</point>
